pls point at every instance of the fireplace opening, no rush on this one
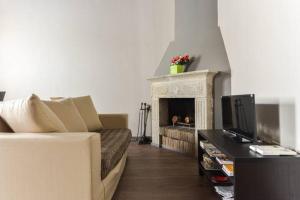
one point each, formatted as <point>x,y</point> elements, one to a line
<point>179,112</point>
<point>177,124</point>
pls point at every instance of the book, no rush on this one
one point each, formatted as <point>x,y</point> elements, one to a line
<point>209,164</point>
<point>212,151</point>
<point>225,191</point>
<point>227,198</point>
<point>219,179</point>
<point>228,169</point>
<point>269,150</point>
<point>209,167</point>
<point>223,160</point>
<point>205,144</point>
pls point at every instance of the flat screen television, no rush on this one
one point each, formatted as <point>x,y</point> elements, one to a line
<point>238,113</point>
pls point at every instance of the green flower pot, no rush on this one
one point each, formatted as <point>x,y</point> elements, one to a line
<point>176,69</point>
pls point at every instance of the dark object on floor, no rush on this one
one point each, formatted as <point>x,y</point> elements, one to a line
<point>2,94</point>
<point>142,125</point>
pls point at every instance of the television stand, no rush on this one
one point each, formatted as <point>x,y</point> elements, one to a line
<point>255,176</point>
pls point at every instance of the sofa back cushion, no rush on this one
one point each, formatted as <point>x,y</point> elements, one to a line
<point>30,115</point>
<point>68,113</point>
<point>88,112</point>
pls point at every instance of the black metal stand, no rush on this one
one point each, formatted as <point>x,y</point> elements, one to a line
<point>2,94</point>
<point>142,126</point>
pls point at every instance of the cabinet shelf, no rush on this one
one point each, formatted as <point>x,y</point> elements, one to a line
<point>255,176</point>
<point>210,173</point>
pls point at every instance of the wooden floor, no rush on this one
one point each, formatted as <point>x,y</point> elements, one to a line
<point>157,174</point>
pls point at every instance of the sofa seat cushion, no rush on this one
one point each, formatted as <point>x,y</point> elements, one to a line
<point>114,143</point>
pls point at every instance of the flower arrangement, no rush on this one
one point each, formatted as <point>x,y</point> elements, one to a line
<point>180,60</point>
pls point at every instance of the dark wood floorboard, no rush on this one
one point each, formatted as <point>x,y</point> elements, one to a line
<point>158,174</point>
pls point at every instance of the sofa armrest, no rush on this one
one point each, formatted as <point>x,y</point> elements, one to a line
<point>111,121</point>
<point>60,166</point>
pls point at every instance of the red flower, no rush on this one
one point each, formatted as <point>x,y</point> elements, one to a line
<point>180,60</point>
<point>186,57</point>
<point>175,59</point>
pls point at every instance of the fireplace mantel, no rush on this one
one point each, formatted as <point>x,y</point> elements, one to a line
<point>196,84</point>
<point>182,75</point>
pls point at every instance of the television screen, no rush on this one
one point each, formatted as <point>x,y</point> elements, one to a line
<point>238,112</point>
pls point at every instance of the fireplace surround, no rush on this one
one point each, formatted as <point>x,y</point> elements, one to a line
<point>197,85</point>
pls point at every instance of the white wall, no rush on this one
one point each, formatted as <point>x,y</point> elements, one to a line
<point>262,39</point>
<point>104,48</point>
<point>156,21</point>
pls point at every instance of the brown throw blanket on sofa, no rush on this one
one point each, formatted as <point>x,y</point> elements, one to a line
<point>114,143</point>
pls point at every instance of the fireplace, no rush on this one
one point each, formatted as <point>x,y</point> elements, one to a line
<point>179,112</point>
<point>188,88</point>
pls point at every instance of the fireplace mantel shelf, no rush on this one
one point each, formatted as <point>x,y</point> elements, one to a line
<point>181,75</point>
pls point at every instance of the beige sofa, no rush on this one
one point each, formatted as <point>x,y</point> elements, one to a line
<point>57,166</point>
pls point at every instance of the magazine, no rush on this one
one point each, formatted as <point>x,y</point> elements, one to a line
<point>269,150</point>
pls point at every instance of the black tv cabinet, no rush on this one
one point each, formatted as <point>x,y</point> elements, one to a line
<point>255,176</point>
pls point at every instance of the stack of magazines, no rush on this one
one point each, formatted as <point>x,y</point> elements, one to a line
<point>211,149</point>
<point>228,169</point>
<point>208,164</point>
<point>270,150</point>
<point>227,192</point>
<point>224,160</point>
<point>227,165</point>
